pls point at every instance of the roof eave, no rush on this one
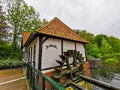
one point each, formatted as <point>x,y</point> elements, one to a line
<point>31,37</point>
<point>85,42</point>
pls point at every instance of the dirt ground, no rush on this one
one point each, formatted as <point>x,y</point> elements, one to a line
<point>10,79</point>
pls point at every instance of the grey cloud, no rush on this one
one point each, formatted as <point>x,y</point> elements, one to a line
<point>96,16</point>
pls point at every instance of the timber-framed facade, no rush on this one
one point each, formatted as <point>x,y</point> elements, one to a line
<point>44,46</point>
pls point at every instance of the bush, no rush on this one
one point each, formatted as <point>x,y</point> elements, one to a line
<point>111,60</point>
<point>10,63</point>
<point>89,57</point>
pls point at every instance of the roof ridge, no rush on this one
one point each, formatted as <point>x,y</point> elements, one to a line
<point>70,28</point>
<point>59,29</point>
<point>47,24</point>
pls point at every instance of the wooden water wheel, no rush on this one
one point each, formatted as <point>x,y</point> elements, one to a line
<point>71,63</point>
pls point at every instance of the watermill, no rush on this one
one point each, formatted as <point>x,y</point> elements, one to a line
<point>55,53</point>
<point>70,65</point>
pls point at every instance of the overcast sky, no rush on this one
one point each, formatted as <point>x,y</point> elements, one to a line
<point>95,16</point>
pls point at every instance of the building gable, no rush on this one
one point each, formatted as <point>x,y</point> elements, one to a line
<point>55,28</point>
<point>58,29</point>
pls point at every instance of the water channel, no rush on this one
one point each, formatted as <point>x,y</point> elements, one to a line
<point>108,73</point>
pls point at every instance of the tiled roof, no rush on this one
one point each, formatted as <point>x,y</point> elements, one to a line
<point>25,36</point>
<point>58,29</point>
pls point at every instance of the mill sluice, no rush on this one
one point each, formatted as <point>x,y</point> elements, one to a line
<point>70,73</point>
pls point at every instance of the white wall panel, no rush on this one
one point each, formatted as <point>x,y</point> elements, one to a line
<point>34,42</point>
<point>68,45</point>
<point>37,53</point>
<point>80,47</point>
<point>50,53</point>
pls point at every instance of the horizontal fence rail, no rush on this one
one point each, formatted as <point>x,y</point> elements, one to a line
<point>39,81</point>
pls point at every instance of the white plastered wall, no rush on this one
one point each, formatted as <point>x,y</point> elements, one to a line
<point>68,45</point>
<point>36,43</point>
<point>80,47</point>
<point>50,53</point>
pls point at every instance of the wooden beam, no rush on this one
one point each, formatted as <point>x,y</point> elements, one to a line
<point>40,52</point>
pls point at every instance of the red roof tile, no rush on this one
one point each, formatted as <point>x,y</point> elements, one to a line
<point>59,29</point>
<point>25,36</point>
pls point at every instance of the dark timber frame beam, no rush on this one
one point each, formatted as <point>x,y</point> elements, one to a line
<point>41,41</point>
<point>40,52</point>
<point>45,39</point>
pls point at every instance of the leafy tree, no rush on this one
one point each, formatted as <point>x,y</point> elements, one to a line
<point>4,49</point>
<point>3,34</point>
<point>84,34</point>
<point>115,43</point>
<point>21,17</point>
<point>103,44</point>
<point>3,25</point>
<point>100,45</point>
<point>93,50</point>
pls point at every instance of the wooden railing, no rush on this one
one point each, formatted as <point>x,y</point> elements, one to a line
<point>39,81</point>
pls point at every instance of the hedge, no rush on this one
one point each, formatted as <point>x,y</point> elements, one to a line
<point>11,63</point>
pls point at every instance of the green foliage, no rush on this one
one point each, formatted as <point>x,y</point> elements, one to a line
<point>115,43</point>
<point>109,68</point>
<point>7,51</point>
<point>4,48</point>
<point>101,46</point>
<point>108,49</point>
<point>21,17</point>
<point>85,34</point>
<point>3,25</point>
<point>111,60</point>
<point>90,57</point>
<point>10,63</point>
<point>93,50</point>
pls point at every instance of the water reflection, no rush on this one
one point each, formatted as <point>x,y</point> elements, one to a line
<point>108,73</point>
